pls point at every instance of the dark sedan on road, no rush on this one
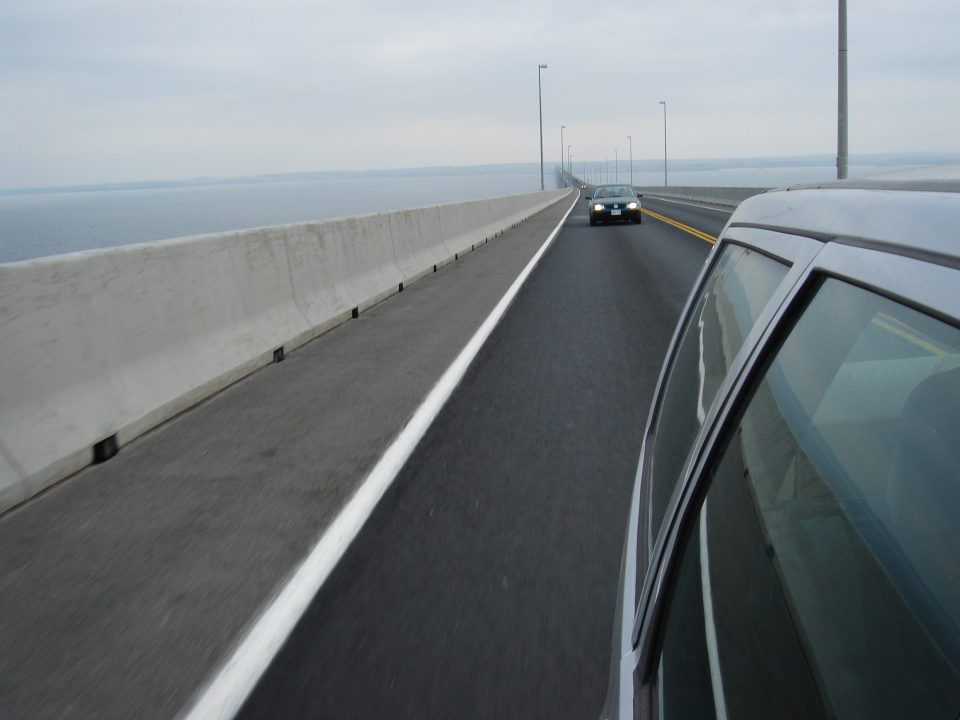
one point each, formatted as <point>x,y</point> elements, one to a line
<point>614,203</point>
<point>791,547</point>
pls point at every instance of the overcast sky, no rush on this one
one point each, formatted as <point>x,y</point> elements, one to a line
<point>115,90</point>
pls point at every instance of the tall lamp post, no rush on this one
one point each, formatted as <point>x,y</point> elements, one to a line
<point>842,92</point>
<point>664,103</point>
<point>630,138</point>
<point>562,128</point>
<point>540,67</point>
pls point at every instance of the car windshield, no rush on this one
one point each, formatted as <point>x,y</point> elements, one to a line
<point>611,191</point>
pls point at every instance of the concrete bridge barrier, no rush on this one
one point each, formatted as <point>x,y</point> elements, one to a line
<point>418,241</point>
<point>100,346</point>
<point>724,196</point>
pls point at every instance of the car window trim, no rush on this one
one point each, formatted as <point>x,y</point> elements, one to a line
<point>652,593</point>
<point>918,253</point>
<point>892,276</point>
<point>895,275</point>
<point>648,628</point>
<point>792,251</point>
<point>778,246</point>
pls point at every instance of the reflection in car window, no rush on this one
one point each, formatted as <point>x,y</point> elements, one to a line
<point>822,577</point>
<point>611,191</point>
<point>731,300</point>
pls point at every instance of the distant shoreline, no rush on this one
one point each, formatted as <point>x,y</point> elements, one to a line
<point>899,160</point>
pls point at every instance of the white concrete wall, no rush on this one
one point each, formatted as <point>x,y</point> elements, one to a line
<point>116,341</point>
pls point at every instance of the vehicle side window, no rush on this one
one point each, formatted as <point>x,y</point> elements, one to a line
<point>821,576</point>
<point>731,300</point>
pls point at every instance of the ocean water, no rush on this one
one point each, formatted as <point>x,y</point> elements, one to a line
<point>38,224</point>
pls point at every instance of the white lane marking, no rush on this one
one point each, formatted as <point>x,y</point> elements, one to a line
<point>225,693</point>
<point>716,677</point>
<point>692,204</point>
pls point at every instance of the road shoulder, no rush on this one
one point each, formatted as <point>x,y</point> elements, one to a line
<point>127,583</point>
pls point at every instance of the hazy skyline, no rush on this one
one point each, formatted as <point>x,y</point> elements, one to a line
<point>109,91</point>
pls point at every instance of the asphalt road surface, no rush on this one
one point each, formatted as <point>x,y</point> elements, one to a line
<point>484,584</point>
<point>125,586</point>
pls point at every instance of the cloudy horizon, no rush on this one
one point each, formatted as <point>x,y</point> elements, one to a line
<point>105,91</point>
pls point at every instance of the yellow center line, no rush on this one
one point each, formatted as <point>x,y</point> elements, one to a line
<point>680,226</point>
<point>908,336</point>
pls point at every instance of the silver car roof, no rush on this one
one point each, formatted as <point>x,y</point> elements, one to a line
<point>918,218</point>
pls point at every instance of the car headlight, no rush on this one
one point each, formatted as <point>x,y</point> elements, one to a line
<point>631,206</point>
<point>598,207</point>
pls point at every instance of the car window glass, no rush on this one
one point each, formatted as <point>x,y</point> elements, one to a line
<point>611,191</point>
<point>821,577</point>
<point>728,306</point>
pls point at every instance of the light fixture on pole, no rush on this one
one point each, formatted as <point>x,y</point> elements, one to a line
<point>630,138</point>
<point>540,67</point>
<point>664,103</point>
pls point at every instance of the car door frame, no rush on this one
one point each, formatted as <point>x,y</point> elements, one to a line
<point>924,284</point>
<point>792,249</point>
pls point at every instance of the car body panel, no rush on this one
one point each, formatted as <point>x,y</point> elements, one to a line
<point>894,239</point>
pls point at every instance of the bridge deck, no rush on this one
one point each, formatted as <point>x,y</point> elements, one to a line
<point>124,585</point>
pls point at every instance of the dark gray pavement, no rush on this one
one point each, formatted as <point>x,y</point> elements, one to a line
<point>126,584</point>
<point>709,219</point>
<point>484,584</point>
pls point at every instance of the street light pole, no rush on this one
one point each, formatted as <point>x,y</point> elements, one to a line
<point>842,92</point>
<point>562,128</point>
<point>630,138</point>
<point>664,103</point>
<point>540,67</point>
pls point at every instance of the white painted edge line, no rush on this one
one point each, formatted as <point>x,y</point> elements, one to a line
<point>225,693</point>
<point>692,204</point>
